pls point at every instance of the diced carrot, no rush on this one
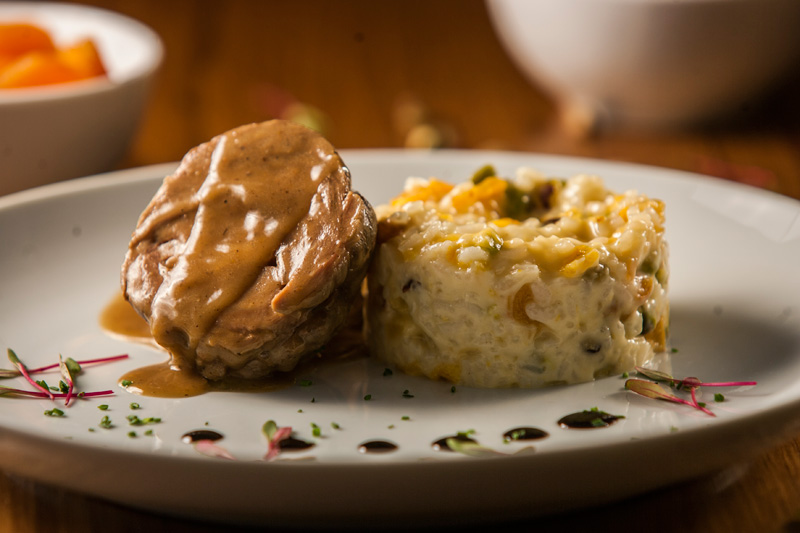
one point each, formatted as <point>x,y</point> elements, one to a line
<point>20,38</point>
<point>36,68</point>
<point>83,58</point>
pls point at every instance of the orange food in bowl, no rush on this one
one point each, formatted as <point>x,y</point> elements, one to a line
<point>28,58</point>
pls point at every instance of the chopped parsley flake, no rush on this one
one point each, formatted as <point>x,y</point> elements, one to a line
<point>390,426</point>
<point>299,410</point>
<point>149,433</point>
<point>316,430</point>
<point>719,397</point>
<point>368,397</point>
<point>126,383</point>
<point>406,417</point>
<point>132,434</point>
<point>453,389</point>
<point>134,420</point>
<point>515,435</point>
<point>334,425</point>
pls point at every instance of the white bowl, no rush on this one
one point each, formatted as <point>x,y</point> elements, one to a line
<point>63,131</point>
<point>651,63</point>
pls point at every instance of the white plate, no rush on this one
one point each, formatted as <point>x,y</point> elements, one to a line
<point>734,292</point>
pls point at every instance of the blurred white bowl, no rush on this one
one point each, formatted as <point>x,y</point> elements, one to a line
<point>63,131</point>
<point>651,63</point>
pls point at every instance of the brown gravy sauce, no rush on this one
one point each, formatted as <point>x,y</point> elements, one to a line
<point>168,380</point>
<point>240,221</point>
<point>119,319</point>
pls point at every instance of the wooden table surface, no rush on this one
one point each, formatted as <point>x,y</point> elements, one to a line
<point>387,74</point>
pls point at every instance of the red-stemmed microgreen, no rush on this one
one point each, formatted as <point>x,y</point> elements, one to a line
<point>651,389</point>
<point>14,373</point>
<point>69,369</point>
<point>23,370</point>
<point>689,382</point>
<point>9,391</point>
<point>275,435</point>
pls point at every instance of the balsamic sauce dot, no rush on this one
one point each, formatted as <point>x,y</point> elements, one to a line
<point>525,433</point>
<point>201,434</point>
<point>292,444</point>
<point>588,420</point>
<point>377,446</point>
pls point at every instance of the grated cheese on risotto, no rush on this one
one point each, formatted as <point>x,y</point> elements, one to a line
<point>523,282</point>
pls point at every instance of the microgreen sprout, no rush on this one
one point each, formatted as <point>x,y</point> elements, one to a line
<point>9,391</point>
<point>651,389</point>
<point>68,372</point>
<point>335,425</point>
<point>135,406</point>
<point>275,435</point>
<point>106,423</point>
<point>5,373</point>
<point>54,412</point>
<point>23,370</point>
<point>103,407</point>
<point>316,430</point>
<point>134,420</point>
<point>69,369</point>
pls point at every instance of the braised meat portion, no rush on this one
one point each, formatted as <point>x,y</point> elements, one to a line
<point>250,255</point>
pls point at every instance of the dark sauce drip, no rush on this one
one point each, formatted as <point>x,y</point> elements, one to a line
<point>525,433</point>
<point>588,420</point>
<point>201,434</point>
<point>377,446</point>
<point>441,444</point>
<point>292,444</point>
